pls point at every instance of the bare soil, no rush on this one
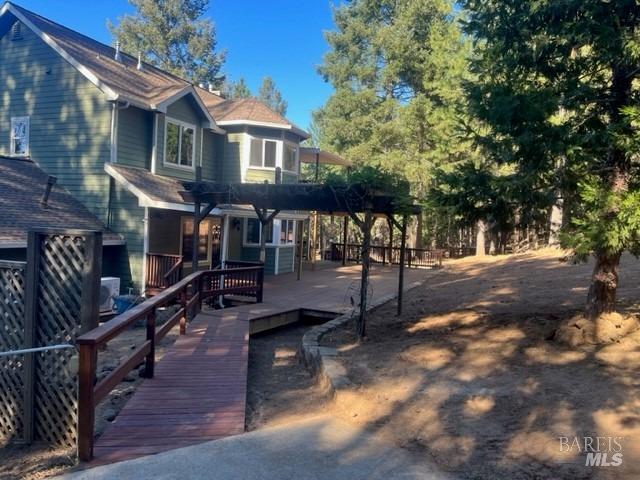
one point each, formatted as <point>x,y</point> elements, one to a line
<point>470,377</point>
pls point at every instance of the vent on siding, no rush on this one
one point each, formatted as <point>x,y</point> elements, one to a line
<point>16,31</point>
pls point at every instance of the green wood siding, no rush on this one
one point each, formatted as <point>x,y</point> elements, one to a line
<point>285,259</point>
<point>255,175</point>
<point>252,254</point>
<point>135,137</point>
<point>232,153</point>
<point>184,110</point>
<point>70,119</point>
<point>127,218</point>
<point>212,148</point>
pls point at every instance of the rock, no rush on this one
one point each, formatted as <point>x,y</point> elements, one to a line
<point>110,415</point>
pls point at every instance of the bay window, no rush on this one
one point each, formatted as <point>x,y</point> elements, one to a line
<point>263,153</point>
<point>289,157</point>
<point>179,144</point>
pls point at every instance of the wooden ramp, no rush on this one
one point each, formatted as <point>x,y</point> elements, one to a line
<point>198,393</point>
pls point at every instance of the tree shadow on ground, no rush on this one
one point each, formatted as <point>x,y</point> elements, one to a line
<point>470,378</point>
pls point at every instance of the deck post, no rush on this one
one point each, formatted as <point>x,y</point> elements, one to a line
<point>86,400</point>
<point>150,359</point>
<point>345,231</point>
<point>196,225</point>
<point>364,281</point>
<point>403,248</point>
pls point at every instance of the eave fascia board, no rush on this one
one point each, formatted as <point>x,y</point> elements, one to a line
<point>88,74</point>
<point>253,123</point>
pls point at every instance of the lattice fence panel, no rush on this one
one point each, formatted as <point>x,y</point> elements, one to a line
<point>59,302</point>
<point>12,298</point>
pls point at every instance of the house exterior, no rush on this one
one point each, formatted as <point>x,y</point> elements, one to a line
<point>120,135</point>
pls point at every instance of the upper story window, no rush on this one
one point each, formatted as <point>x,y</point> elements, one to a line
<point>290,158</point>
<point>263,153</point>
<point>179,144</point>
<point>19,141</point>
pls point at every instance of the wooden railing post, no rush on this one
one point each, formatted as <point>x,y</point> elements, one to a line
<point>183,305</point>
<point>86,402</point>
<point>150,360</point>
<point>260,280</point>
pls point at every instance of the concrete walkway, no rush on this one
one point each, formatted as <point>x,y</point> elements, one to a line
<point>319,448</point>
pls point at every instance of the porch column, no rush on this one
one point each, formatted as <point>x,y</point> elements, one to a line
<point>225,241</point>
<point>196,234</point>
<point>403,248</point>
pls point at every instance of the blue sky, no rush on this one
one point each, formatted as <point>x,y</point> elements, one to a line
<point>280,38</point>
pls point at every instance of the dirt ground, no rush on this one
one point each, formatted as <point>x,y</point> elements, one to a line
<point>40,460</point>
<point>470,378</point>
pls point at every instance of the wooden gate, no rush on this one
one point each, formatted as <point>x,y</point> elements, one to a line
<point>61,293</point>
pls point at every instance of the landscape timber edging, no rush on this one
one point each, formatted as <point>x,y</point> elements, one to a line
<point>323,362</point>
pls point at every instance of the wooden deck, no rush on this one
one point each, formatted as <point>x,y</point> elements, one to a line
<point>198,392</point>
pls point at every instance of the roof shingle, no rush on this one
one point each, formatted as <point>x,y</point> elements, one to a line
<point>23,184</point>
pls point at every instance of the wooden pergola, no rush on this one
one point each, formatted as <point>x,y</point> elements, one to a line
<point>269,199</point>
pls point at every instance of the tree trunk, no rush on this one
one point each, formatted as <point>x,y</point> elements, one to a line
<point>419,229</point>
<point>555,223</point>
<point>604,283</point>
<point>364,281</point>
<point>480,234</point>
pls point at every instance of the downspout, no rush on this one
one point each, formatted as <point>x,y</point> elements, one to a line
<point>145,249</point>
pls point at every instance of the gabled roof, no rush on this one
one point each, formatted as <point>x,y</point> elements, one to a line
<point>23,184</point>
<point>150,88</point>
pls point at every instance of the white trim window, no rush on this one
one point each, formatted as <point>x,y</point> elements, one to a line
<point>263,153</point>
<point>290,157</point>
<point>179,144</point>
<point>253,232</point>
<point>19,137</point>
<point>287,232</point>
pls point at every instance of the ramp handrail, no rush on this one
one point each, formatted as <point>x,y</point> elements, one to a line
<point>188,294</point>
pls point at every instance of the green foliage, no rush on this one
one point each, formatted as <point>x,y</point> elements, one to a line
<point>556,86</point>
<point>270,95</point>
<point>173,35</point>
<point>397,68</point>
<point>367,180</point>
<point>239,89</point>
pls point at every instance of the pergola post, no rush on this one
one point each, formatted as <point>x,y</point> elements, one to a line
<point>265,220</point>
<point>403,249</point>
<point>364,280</point>
<point>314,239</point>
<point>300,248</point>
<point>345,231</point>
<point>390,224</point>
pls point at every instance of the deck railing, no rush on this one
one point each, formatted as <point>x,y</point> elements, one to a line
<point>414,257</point>
<point>163,270</point>
<point>188,294</point>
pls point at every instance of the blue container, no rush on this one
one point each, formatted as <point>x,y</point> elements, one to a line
<point>123,303</point>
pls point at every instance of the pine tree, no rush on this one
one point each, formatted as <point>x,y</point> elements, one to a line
<point>239,89</point>
<point>559,80</point>
<point>270,95</point>
<point>175,36</point>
